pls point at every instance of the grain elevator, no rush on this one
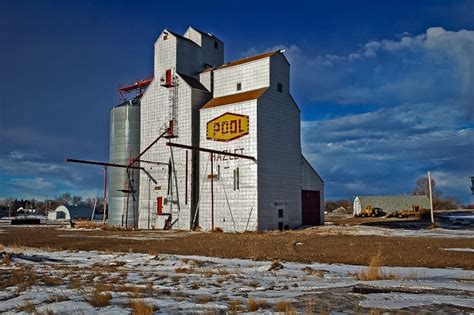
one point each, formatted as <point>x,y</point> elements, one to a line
<point>220,142</point>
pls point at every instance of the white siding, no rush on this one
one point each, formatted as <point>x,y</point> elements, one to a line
<point>253,75</point>
<point>235,210</point>
<point>187,58</point>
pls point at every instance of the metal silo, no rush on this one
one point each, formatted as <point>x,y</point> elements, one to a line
<point>124,144</point>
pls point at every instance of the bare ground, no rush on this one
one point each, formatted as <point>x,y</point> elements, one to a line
<point>299,246</point>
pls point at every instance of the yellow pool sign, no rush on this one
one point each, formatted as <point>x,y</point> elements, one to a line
<point>227,127</point>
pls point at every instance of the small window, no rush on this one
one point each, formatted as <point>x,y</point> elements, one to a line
<point>236,179</point>
<point>165,36</point>
<point>216,45</point>
<point>280,213</point>
<point>280,87</point>
<point>239,86</point>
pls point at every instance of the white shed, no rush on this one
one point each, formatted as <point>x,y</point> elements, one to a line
<point>71,212</point>
<point>59,213</point>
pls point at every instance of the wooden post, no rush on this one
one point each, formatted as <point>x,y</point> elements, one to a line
<point>431,197</point>
<point>212,191</point>
<point>105,194</point>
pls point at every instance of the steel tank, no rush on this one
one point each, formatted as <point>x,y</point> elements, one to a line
<point>124,145</point>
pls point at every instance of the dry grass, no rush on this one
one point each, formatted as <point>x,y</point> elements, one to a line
<point>57,298</point>
<point>84,224</point>
<point>374,270</point>
<point>139,307</point>
<point>309,309</point>
<point>2,247</point>
<point>27,307</point>
<point>235,307</point>
<point>255,305</point>
<point>217,230</point>
<point>203,299</point>
<point>183,270</point>
<point>75,282</point>
<point>195,285</point>
<point>100,299</point>
<point>285,307</point>
<point>51,281</point>
<point>210,272</point>
<point>21,277</point>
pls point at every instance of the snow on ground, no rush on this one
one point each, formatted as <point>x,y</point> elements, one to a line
<point>365,230</point>
<point>460,249</point>
<point>66,280</point>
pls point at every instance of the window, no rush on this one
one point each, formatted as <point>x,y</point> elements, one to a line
<point>165,36</point>
<point>239,86</point>
<point>236,179</point>
<point>280,87</point>
<point>216,45</point>
<point>280,213</point>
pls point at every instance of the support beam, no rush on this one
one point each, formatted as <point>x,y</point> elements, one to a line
<point>101,163</point>
<point>146,149</point>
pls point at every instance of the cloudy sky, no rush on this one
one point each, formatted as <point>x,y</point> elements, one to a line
<point>386,90</point>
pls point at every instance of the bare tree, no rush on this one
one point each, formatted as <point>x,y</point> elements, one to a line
<point>64,199</point>
<point>76,200</point>
<point>422,188</point>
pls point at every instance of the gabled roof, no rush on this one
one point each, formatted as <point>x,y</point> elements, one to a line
<point>248,59</point>
<point>192,82</point>
<point>179,36</point>
<point>305,160</point>
<point>204,33</point>
<point>235,98</point>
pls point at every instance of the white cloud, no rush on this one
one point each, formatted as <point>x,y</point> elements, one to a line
<point>422,89</point>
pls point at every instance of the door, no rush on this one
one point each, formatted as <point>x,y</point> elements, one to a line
<point>311,207</point>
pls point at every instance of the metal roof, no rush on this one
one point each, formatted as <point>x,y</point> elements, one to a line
<point>192,82</point>
<point>393,203</point>
<point>248,59</point>
<point>235,98</point>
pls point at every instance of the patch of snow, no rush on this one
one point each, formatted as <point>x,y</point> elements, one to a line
<point>218,279</point>
<point>460,249</point>
<point>395,301</point>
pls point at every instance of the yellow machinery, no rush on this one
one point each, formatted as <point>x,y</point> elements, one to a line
<point>417,211</point>
<point>371,212</point>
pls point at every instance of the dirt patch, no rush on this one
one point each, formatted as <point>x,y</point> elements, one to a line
<point>279,246</point>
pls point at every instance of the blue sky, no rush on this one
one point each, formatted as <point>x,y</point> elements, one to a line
<point>385,87</point>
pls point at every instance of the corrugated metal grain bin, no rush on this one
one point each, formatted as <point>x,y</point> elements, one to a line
<point>124,144</point>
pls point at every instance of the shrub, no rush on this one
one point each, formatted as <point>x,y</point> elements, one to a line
<point>100,299</point>
<point>255,305</point>
<point>285,307</point>
<point>28,307</point>
<point>139,307</point>
<point>374,271</point>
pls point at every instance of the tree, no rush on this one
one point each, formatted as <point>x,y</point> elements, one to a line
<point>422,188</point>
<point>76,200</point>
<point>331,205</point>
<point>439,202</point>
<point>64,199</point>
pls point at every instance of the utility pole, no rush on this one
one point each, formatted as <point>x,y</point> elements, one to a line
<point>431,197</point>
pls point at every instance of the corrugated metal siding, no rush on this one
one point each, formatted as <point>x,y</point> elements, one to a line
<point>124,143</point>
<point>390,203</point>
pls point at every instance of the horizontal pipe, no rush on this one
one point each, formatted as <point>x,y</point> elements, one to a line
<point>101,163</point>
<point>183,146</point>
